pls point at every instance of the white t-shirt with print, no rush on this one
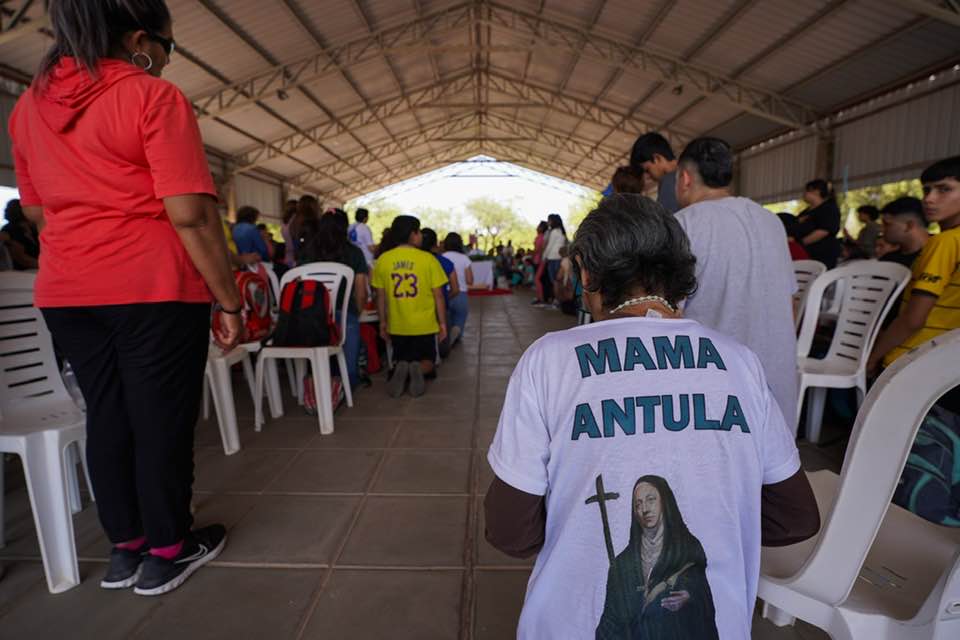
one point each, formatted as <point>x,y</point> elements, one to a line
<point>589,402</point>
<point>361,235</point>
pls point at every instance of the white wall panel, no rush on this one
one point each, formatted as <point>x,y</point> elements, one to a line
<point>778,171</point>
<point>265,196</point>
<point>897,142</point>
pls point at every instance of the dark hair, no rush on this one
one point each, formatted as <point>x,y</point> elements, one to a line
<point>342,216</point>
<point>870,210</point>
<point>646,147</point>
<point>713,160</point>
<point>325,240</point>
<point>626,180</point>
<point>248,214</point>
<point>386,242</point>
<point>630,241</point>
<point>429,239</point>
<point>453,242</point>
<point>89,30</point>
<point>261,227</point>
<point>821,186</point>
<point>308,208</point>
<point>402,227</point>
<point>362,214</point>
<point>906,206</point>
<point>542,227</point>
<point>942,170</point>
<point>14,212</point>
<point>554,221</point>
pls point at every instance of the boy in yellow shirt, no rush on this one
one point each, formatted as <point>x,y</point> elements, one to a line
<point>931,301</point>
<point>409,286</point>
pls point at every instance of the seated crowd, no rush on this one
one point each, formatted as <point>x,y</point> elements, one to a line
<point>645,456</point>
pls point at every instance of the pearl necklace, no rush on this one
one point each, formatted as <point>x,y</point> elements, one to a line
<point>635,301</point>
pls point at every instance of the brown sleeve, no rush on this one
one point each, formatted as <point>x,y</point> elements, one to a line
<point>788,512</point>
<point>516,520</point>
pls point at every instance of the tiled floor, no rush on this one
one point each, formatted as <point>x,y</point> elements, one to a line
<point>373,532</point>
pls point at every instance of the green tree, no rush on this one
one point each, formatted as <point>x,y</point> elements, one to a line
<point>579,210</point>
<point>497,222</point>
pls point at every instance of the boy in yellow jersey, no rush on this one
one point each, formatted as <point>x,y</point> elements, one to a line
<point>931,301</point>
<point>409,286</point>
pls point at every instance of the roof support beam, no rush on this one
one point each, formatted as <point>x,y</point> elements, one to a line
<point>509,153</point>
<point>945,10</point>
<point>552,34</point>
<point>560,140</point>
<point>20,25</point>
<point>403,37</point>
<point>395,145</point>
<point>421,164</point>
<point>253,44</point>
<point>371,112</point>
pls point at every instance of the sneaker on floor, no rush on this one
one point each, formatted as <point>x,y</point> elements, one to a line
<point>124,568</point>
<point>418,385</point>
<point>159,575</point>
<point>398,380</point>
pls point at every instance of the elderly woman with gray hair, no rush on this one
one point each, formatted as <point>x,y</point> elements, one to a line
<point>642,456</point>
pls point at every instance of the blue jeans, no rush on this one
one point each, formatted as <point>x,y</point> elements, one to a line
<point>457,311</point>
<point>351,347</point>
<point>553,268</point>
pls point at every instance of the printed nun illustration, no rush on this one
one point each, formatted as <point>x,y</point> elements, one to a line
<point>657,586</point>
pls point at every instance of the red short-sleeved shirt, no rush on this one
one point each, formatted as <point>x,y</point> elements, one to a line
<point>100,155</point>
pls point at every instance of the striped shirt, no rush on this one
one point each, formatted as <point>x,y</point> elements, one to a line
<point>936,272</point>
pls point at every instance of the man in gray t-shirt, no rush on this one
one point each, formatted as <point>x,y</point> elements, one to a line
<point>652,155</point>
<point>744,271</point>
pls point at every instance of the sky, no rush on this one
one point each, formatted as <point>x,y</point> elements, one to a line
<point>532,194</point>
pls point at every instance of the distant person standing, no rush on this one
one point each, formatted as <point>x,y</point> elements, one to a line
<point>865,246</point>
<point>818,225</point>
<point>539,263</point>
<point>555,239</point>
<point>459,307</point>
<point>652,156</point>
<point>361,235</point>
<point>247,236</point>
<point>745,275</point>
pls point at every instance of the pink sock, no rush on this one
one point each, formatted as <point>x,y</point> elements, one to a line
<point>167,553</point>
<point>132,545</point>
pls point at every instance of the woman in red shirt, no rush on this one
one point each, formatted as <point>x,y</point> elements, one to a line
<point>111,167</point>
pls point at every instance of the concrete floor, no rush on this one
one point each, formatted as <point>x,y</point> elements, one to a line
<point>373,532</point>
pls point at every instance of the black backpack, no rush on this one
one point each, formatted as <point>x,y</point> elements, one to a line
<point>930,483</point>
<point>306,316</point>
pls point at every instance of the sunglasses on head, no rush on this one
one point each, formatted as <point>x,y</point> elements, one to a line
<point>167,43</point>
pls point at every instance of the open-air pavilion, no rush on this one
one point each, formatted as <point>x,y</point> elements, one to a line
<point>376,531</point>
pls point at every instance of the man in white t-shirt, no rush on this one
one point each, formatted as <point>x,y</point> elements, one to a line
<point>744,270</point>
<point>360,235</point>
<point>632,453</point>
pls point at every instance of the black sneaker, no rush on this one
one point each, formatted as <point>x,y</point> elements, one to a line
<point>125,567</point>
<point>160,575</point>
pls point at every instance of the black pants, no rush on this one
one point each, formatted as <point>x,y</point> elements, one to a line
<point>140,367</point>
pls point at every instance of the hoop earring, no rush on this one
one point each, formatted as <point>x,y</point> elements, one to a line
<point>146,67</point>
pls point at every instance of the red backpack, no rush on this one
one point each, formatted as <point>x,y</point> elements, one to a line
<point>255,298</point>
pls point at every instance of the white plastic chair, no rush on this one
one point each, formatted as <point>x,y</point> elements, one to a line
<point>869,292</point>
<point>806,271</point>
<point>332,275</point>
<point>218,381</point>
<point>875,570</point>
<point>42,424</point>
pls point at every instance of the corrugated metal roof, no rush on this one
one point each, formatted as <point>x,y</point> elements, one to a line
<point>328,83</point>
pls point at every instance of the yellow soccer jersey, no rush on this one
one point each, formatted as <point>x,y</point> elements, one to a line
<point>936,271</point>
<point>407,277</point>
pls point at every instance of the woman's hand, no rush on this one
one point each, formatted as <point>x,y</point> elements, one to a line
<point>383,331</point>
<point>230,332</point>
<point>675,601</point>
